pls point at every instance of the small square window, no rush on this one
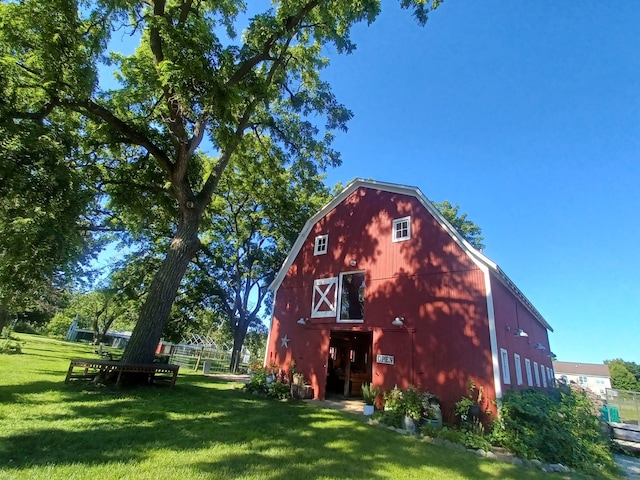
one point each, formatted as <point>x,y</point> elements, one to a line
<point>401,229</point>
<point>321,244</point>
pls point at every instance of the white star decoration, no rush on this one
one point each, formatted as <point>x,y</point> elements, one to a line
<point>285,341</point>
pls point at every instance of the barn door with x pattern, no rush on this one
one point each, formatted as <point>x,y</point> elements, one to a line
<point>325,296</point>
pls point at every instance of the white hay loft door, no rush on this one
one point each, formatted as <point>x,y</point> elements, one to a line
<point>325,297</point>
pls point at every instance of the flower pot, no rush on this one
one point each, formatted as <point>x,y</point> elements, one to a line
<point>409,424</point>
<point>474,411</point>
<point>368,409</point>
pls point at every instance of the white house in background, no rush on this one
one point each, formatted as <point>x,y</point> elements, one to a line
<point>594,376</point>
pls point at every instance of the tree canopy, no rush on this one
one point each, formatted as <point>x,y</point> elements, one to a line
<point>191,86</point>
<point>465,227</point>
<point>624,375</point>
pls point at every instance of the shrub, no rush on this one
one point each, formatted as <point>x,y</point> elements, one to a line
<point>279,390</point>
<point>474,440</point>
<point>559,427</point>
<point>449,434</point>
<point>393,418</point>
<point>58,326</point>
<point>411,402</point>
<point>10,347</point>
<point>258,383</point>
<point>392,399</point>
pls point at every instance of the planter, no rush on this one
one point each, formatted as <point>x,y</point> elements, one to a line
<point>409,424</point>
<point>368,409</point>
<point>474,411</point>
<point>432,422</point>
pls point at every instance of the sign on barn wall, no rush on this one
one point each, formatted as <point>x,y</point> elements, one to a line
<point>384,359</point>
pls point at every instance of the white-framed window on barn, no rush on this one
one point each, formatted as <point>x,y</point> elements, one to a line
<point>351,297</point>
<point>544,376</point>
<point>321,244</point>
<point>504,358</point>
<point>516,359</point>
<point>401,229</point>
<point>325,297</point>
<point>536,373</point>
<point>527,366</point>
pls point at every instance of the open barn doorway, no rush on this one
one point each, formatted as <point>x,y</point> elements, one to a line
<point>349,363</point>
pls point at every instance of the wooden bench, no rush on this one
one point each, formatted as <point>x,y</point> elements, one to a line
<point>625,436</point>
<point>92,368</point>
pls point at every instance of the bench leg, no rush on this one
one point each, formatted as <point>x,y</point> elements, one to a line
<point>69,372</point>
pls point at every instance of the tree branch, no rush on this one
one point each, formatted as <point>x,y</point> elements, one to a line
<point>290,25</point>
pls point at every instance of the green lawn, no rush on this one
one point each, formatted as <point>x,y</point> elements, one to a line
<point>202,428</point>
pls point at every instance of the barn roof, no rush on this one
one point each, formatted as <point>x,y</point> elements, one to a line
<point>357,183</point>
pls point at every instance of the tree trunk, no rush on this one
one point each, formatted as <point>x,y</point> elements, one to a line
<point>238,340</point>
<point>4,316</point>
<point>157,307</point>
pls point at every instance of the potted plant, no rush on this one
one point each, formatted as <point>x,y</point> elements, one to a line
<point>369,394</point>
<point>431,413</point>
<point>469,407</point>
<point>392,399</point>
<point>411,406</point>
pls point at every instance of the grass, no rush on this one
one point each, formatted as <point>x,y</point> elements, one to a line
<point>203,428</point>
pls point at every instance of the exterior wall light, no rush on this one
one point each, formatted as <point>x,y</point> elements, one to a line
<point>398,321</point>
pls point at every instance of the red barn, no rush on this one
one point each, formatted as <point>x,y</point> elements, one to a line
<point>380,288</point>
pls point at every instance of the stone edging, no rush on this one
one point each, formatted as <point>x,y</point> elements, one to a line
<point>498,455</point>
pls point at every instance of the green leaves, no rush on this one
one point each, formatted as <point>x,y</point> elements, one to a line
<point>136,153</point>
<point>469,230</point>
<point>558,427</point>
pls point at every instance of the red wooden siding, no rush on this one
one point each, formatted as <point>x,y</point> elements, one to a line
<point>511,314</point>
<point>429,280</point>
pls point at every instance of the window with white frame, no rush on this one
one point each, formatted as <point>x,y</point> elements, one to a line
<point>322,242</point>
<point>506,375</point>
<point>325,296</point>
<point>516,359</point>
<point>537,374</point>
<point>527,366</point>
<point>401,229</point>
<point>544,376</point>
<point>351,297</point>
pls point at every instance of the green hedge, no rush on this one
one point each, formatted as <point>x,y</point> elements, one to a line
<point>561,426</point>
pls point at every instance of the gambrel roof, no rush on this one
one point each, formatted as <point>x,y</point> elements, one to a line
<point>415,192</point>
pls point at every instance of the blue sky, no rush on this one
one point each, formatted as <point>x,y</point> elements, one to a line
<point>528,116</point>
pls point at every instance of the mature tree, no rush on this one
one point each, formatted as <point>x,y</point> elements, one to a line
<point>43,209</point>
<point>190,78</point>
<point>621,377</point>
<point>465,227</point>
<point>623,374</point>
<point>254,221</point>
<point>102,309</point>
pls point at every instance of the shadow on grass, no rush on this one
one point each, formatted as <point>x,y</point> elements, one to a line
<point>240,434</point>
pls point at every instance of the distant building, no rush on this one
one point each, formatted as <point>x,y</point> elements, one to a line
<point>594,376</point>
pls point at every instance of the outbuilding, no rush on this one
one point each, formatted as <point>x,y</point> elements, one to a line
<point>380,288</point>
